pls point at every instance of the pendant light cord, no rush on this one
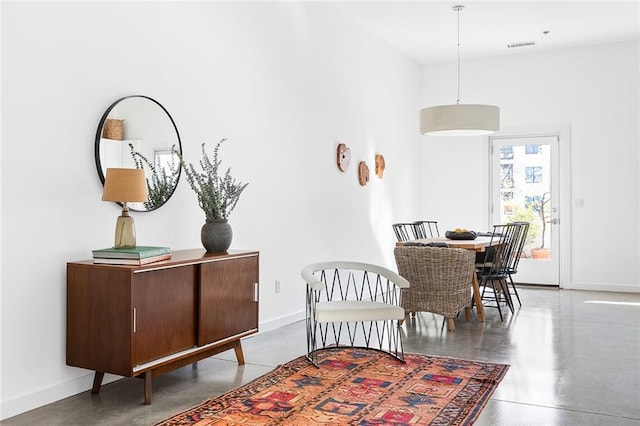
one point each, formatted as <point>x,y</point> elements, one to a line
<point>458,9</point>
<point>459,119</point>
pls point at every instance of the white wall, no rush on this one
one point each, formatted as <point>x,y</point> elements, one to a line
<point>285,82</point>
<point>594,91</point>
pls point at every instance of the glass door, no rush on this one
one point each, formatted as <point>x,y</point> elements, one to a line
<point>525,189</point>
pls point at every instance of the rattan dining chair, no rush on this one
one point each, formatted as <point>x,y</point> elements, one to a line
<point>440,280</point>
<point>493,271</point>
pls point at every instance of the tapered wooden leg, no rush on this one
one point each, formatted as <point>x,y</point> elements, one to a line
<point>97,382</point>
<point>477,298</point>
<point>452,324</point>
<point>467,313</point>
<point>239,355</point>
<point>147,387</point>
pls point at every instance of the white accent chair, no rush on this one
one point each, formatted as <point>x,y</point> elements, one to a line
<point>353,304</point>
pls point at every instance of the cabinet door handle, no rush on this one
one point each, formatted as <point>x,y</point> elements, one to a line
<point>256,292</point>
<point>135,319</point>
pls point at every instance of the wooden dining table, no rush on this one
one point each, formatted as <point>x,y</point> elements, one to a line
<point>479,244</point>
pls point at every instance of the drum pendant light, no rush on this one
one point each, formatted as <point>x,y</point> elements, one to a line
<point>459,119</point>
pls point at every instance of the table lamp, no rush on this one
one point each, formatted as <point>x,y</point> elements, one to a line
<point>122,186</point>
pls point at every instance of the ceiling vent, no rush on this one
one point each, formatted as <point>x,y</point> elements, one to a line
<point>521,44</point>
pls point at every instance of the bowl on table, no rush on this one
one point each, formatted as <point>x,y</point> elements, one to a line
<point>461,234</point>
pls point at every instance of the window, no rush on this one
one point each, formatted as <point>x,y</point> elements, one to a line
<point>532,200</point>
<point>533,174</point>
<point>165,160</point>
<point>506,195</point>
<point>506,176</point>
<point>506,152</point>
<point>532,149</point>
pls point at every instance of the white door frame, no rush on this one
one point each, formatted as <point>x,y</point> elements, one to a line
<point>563,131</point>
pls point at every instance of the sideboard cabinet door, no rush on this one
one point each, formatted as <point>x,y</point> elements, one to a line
<point>99,318</point>
<point>164,312</point>
<point>228,298</point>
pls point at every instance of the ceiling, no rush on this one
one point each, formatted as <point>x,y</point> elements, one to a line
<point>426,30</point>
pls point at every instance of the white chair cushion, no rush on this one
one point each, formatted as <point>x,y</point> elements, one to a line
<point>357,310</point>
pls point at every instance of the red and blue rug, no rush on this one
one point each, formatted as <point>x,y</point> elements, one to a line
<point>356,387</point>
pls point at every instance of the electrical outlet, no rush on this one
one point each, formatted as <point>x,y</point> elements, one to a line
<point>277,286</point>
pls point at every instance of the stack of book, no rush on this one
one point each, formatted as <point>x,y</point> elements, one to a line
<point>139,255</point>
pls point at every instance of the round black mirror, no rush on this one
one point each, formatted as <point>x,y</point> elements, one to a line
<point>138,132</point>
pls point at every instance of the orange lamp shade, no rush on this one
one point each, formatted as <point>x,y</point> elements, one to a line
<point>125,185</point>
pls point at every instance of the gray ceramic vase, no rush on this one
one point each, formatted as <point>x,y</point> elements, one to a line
<point>216,236</point>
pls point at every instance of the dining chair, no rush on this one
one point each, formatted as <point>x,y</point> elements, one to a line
<point>514,260</point>
<point>493,271</point>
<point>426,229</point>
<point>440,280</point>
<point>404,231</point>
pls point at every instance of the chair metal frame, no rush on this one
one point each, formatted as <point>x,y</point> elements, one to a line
<point>425,229</point>
<point>514,260</point>
<point>404,231</point>
<point>353,304</point>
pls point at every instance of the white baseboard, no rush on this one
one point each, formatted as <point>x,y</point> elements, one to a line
<point>281,321</point>
<point>47,395</point>
<point>618,288</point>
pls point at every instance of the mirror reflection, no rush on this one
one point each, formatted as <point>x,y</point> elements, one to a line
<point>138,132</point>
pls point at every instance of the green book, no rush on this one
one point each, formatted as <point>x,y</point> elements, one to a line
<point>138,252</point>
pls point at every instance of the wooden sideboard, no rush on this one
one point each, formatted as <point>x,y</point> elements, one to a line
<point>142,321</point>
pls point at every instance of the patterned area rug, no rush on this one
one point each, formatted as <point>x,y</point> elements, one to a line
<point>356,387</point>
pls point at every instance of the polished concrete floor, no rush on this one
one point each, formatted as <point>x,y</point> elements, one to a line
<point>574,356</point>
